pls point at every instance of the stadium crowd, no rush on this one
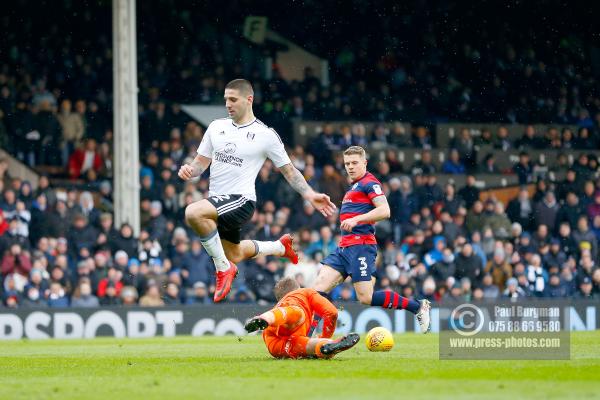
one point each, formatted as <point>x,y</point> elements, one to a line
<point>500,74</point>
<point>59,246</point>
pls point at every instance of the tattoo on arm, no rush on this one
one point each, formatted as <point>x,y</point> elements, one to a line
<point>295,179</point>
<point>200,165</point>
<point>382,208</point>
<point>379,201</point>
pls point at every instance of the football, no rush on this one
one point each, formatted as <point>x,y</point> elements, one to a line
<point>379,339</point>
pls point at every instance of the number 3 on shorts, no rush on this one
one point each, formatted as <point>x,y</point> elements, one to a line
<point>363,266</point>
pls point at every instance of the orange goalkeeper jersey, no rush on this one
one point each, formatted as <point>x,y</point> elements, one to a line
<point>311,302</point>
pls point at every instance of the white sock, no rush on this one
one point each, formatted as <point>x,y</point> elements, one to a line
<point>274,248</point>
<point>214,248</point>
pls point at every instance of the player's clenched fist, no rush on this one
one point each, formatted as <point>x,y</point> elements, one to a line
<point>186,172</point>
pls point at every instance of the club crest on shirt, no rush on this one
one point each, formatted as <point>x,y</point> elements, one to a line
<point>250,135</point>
<point>230,148</point>
<point>355,186</point>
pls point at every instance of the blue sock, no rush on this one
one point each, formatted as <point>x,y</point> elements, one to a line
<point>392,300</point>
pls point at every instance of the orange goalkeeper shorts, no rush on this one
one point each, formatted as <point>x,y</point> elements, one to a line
<point>285,346</point>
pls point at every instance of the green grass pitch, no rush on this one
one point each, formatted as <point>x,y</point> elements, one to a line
<point>240,368</point>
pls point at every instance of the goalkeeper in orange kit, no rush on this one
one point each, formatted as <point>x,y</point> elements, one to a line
<point>286,326</point>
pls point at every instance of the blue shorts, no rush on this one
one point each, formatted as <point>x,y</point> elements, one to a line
<point>358,261</point>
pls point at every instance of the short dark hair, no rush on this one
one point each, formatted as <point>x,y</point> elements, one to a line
<point>284,286</point>
<point>242,85</point>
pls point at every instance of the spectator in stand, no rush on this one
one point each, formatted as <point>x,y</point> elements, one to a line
<point>81,235</point>
<point>468,265</point>
<point>520,209</point>
<point>308,218</point>
<point>570,210</point>
<point>469,193</point>
<point>421,138</point>
<point>83,297</point>
<point>398,136</point>
<point>129,296</point>
<point>593,209</point>
<point>332,183</point>
<point>157,225</point>
<point>489,165</point>
<point>586,290</point>
<point>17,264</point>
<point>546,210</point>
<point>391,158</point>
<point>453,165</point>
<point>585,140</point>
<point>199,294</point>
<point>403,202</point>
<point>47,147</point>
<point>152,297</point>
<point>490,290</point>
<point>113,280</point>
<point>513,290</point>
<point>570,184</point>
<point>125,241</point>
<point>502,141</point>
<point>172,296</point>
<point>324,145</point>
<point>530,140</point>
<point>424,165</point>
<point>197,265</point>
<point>524,169</point>
<point>261,276</point>
<point>85,159</point>
<point>57,298</point>
<point>465,147</point>
<point>88,209</point>
<point>537,276</point>
<point>33,298</point>
<point>72,129</point>
<point>324,244</point>
<point>583,235</point>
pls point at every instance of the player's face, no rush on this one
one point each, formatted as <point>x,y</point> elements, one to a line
<point>237,104</point>
<point>356,166</point>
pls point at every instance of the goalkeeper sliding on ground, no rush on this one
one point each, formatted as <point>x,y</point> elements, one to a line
<point>286,326</point>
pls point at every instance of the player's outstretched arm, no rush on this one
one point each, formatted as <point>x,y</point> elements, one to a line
<point>320,201</point>
<point>195,168</point>
<point>323,307</point>
<point>380,212</point>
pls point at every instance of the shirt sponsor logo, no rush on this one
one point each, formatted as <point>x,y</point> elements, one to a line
<point>230,148</point>
<point>228,159</point>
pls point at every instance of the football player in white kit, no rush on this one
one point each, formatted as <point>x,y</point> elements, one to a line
<point>236,148</point>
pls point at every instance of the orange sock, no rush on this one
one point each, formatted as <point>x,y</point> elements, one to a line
<point>318,348</point>
<point>290,315</point>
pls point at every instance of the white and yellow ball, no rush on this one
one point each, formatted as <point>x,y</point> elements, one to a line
<point>379,339</point>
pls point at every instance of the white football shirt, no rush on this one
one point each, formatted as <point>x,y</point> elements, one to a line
<point>238,152</point>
